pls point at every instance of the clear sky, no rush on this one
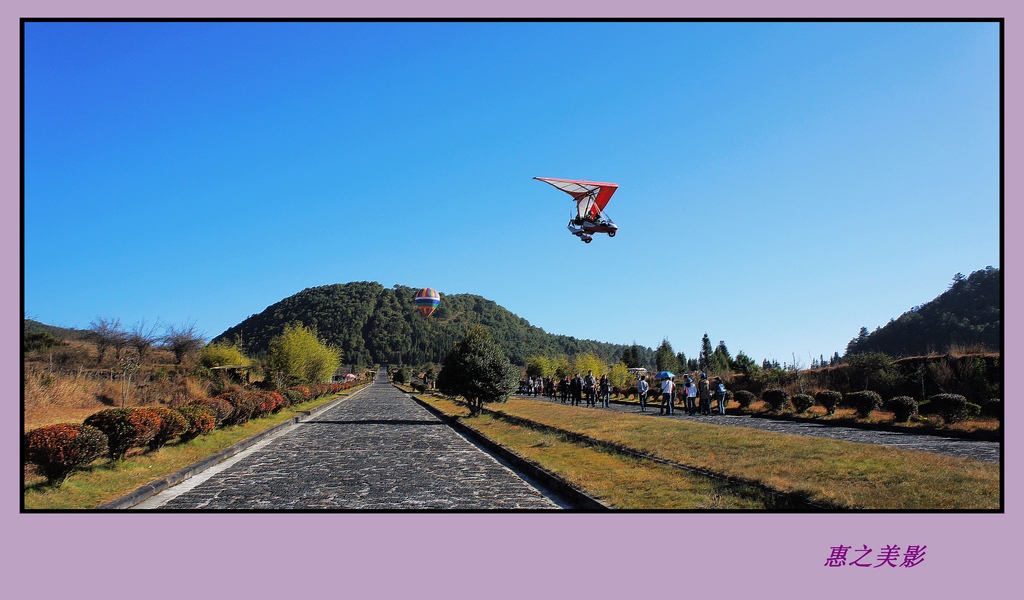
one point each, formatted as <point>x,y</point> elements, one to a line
<point>781,184</point>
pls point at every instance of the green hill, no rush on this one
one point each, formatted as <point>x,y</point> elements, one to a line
<point>61,333</point>
<point>968,314</point>
<point>372,324</point>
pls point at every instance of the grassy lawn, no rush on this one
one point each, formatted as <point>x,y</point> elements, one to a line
<point>622,482</point>
<point>829,471</point>
<point>106,480</point>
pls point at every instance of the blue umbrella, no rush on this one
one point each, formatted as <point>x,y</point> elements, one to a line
<point>664,375</point>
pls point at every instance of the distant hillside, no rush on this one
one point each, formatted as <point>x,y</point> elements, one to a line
<point>372,324</point>
<point>61,333</point>
<point>968,313</point>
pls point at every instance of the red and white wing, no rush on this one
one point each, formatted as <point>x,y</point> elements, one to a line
<point>591,196</point>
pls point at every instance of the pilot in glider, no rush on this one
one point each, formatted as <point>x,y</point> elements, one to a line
<point>591,197</point>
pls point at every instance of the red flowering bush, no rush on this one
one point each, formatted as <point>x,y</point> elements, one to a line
<point>266,402</point>
<point>57,450</point>
<point>125,428</point>
<point>245,405</point>
<point>294,397</point>
<point>221,409</point>
<point>172,424</point>
<point>199,420</point>
<point>306,392</point>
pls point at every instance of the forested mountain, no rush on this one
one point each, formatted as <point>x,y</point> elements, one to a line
<point>372,324</point>
<point>968,313</point>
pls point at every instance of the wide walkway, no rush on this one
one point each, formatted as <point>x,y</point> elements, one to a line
<point>973,449</point>
<point>378,450</point>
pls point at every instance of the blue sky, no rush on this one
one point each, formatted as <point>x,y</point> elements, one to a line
<point>781,184</point>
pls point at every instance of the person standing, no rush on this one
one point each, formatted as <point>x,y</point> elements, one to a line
<point>691,396</point>
<point>576,388</point>
<point>642,388</point>
<point>704,391</point>
<point>668,389</point>
<point>720,394</point>
<point>590,389</point>
<point>606,391</point>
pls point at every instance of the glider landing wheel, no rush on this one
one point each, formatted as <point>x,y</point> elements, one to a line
<point>587,240</point>
<point>611,234</point>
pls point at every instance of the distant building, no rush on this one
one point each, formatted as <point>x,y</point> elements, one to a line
<point>637,371</point>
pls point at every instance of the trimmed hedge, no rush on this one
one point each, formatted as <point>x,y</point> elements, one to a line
<point>745,398</point>
<point>952,408</point>
<point>776,399</point>
<point>172,424</point>
<point>199,420</point>
<point>828,399</point>
<point>866,402</point>
<point>125,428</point>
<point>903,407</point>
<point>801,402</point>
<point>58,450</point>
<point>993,408</point>
<point>221,409</point>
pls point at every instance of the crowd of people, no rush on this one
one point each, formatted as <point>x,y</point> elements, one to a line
<point>695,395</point>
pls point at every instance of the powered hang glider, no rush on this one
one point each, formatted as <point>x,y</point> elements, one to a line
<point>591,197</point>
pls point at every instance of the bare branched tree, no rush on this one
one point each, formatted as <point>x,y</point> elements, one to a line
<point>183,340</point>
<point>107,333</point>
<point>142,338</point>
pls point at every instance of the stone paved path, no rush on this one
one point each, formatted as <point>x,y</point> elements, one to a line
<point>974,449</point>
<point>378,450</point>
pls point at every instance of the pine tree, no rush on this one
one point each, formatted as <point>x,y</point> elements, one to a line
<point>704,361</point>
<point>665,358</point>
<point>477,370</point>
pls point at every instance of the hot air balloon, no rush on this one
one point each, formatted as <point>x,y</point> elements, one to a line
<point>427,300</point>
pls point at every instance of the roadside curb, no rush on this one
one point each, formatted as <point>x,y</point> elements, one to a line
<point>580,500</point>
<point>152,488</point>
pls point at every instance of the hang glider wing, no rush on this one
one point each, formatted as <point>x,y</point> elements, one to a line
<point>591,196</point>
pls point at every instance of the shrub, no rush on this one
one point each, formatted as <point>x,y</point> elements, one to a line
<point>267,402</point>
<point>745,398</point>
<point>57,450</point>
<point>304,390</point>
<point>828,399</point>
<point>293,396</point>
<point>776,399</point>
<point>244,405</point>
<point>952,408</point>
<point>992,408</point>
<point>865,402</point>
<point>172,424</point>
<point>199,420</point>
<point>801,402</point>
<point>222,409</point>
<point>125,428</point>
<point>903,407</point>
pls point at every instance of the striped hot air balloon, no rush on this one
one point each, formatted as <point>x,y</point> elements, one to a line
<point>427,300</point>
